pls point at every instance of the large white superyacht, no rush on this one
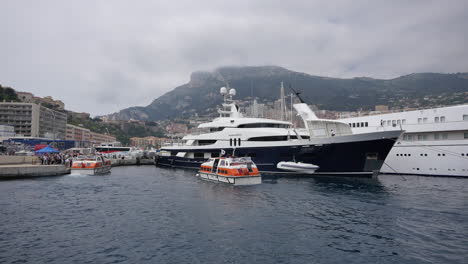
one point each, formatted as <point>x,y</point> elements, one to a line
<point>328,144</point>
<point>435,141</point>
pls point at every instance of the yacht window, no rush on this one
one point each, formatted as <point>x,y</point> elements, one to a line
<point>403,121</point>
<point>393,122</point>
<point>465,135</point>
<point>270,138</point>
<point>257,125</point>
<point>215,129</point>
<point>382,122</point>
<point>198,155</point>
<point>221,163</point>
<point>465,117</point>
<point>425,120</point>
<point>436,136</point>
<point>367,124</point>
<point>206,142</point>
<point>442,119</point>
<point>424,137</point>
<point>444,136</point>
<point>230,142</point>
<point>436,119</point>
<point>419,120</point>
<point>354,124</point>
<point>420,137</point>
<point>362,124</point>
<point>398,122</point>
<point>349,124</point>
<point>389,122</point>
<point>357,124</point>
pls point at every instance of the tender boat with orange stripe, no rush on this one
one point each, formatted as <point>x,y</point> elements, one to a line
<point>90,165</point>
<point>236,171</point>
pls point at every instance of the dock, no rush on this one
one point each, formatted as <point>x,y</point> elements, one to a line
<point>11,171</point>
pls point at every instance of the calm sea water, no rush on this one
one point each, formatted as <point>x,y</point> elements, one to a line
<point>153,215</point>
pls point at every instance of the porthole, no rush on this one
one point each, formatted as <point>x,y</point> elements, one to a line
<point>398,155</point>
<point>425,155</point>
<point>443,154</point>
<point>417,168</point>
<point>438,154</point>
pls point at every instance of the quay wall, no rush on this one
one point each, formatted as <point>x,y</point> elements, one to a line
<point>131,162</point>
<point>7,160</point>
<point>25,171</point>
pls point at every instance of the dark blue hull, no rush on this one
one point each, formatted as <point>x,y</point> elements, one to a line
<point>360,158</point>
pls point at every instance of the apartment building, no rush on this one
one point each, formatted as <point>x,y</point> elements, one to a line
<point>33,120</point>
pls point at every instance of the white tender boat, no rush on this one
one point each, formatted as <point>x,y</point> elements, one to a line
<point>235,171</point>
<point>90,165</point>
<point>299,167</point>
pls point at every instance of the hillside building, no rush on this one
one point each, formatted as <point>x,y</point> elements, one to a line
<point>33,120</point>
<point>143,142</point>
<point>97,138</point>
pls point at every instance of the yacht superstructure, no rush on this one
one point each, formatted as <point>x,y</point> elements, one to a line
<point>329,144</point>
<point>435,141</point>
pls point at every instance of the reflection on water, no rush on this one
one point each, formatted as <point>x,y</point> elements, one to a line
<point>152,215</point>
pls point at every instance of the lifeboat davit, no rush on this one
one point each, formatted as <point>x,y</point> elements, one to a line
<point>235,171</point>
<point>298,167</point>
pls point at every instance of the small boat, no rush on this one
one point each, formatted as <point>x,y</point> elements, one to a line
<point>299,167</point>
<point>235,171</point>
<point>90,165</point>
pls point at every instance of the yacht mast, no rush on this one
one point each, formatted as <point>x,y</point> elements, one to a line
<point>283,103</point>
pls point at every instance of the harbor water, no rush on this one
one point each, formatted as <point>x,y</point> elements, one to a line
<point>152,215</point>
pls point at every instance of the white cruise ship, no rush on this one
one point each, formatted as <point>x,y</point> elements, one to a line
<point>435,141</point>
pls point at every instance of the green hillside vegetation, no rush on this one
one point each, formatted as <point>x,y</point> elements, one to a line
<point>123,133</point>
<point>8,94</point>
<point>201,95</point>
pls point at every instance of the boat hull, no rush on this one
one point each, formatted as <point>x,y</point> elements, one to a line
<point>91,171</point>
<point>234,180</point>
<point>358,155</point>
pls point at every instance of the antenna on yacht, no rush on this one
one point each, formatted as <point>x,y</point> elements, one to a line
<point>223,91</point>
<point>297,94</point>
<point>282,103</point>
<point>230,108</point>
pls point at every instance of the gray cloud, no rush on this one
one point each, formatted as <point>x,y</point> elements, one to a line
<point>102,56</point>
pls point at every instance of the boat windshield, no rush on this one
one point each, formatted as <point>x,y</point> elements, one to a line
<point>93,158</point>
<point>241,160</point>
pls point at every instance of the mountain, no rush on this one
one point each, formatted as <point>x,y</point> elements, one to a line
<point>201,94</point>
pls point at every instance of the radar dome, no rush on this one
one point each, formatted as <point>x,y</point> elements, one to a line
<point>223,90</point>
<point>232,92</point>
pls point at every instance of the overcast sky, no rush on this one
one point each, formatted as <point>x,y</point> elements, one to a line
<point>103,56</point>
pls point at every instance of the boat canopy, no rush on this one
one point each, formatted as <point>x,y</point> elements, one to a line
<point>321,127</point>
